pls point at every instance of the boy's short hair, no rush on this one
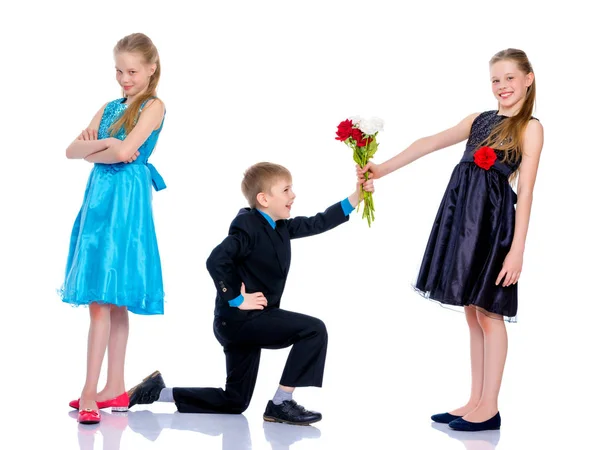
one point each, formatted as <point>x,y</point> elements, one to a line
<point>260,178</point>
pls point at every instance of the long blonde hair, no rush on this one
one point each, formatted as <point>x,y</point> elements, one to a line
<point>507,136</point>
<point>143,45</point>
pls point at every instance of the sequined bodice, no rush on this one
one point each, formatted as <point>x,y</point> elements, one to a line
<point>112,112</point>
<point>482,127</point>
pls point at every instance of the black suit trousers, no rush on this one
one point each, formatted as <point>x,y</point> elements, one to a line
<point>242,342</point>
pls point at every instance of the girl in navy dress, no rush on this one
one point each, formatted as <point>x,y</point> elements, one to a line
<point>114,265</point>
<point>475,251</point>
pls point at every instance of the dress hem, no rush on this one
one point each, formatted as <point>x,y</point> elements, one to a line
<point>142,304</point>
<point>459,306</point>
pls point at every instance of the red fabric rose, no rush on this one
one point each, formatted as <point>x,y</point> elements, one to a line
<point>344,130</point>
<point>485,157</point>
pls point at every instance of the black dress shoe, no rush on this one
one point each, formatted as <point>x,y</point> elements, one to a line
<point>464,425</point>
<point>290,412</point>
<point>147,391</point>
<point>444,418</point>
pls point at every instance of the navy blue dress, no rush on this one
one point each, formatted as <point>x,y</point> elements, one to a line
<point>473,232</point>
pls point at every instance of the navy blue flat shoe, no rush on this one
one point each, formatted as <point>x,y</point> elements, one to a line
<point>444,418</point>
<point>463,425</point>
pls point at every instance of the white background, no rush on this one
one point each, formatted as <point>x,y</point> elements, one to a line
<point>269,81</point>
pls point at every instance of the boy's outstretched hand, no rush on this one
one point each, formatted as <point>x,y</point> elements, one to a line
<point>255,300</point>
<point>357,196</point>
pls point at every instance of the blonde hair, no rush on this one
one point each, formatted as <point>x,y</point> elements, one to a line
<point>141,44</point>
<point>507,136</point>
<point>260,178</point>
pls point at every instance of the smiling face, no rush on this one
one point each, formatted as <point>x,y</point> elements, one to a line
<point>277,202</point>
<point>509,85</point>
<point>133,73</point>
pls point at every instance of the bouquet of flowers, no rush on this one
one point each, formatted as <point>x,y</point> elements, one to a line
<point>360,135</point>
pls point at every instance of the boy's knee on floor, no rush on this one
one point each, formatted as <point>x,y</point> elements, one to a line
<point>238,404</point>
<point>238,407</point>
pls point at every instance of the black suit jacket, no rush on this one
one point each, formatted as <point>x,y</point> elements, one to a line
<point>260,256</point>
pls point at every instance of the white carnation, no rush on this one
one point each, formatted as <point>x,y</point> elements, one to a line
<point>355,120</point>
<point>370,126</point>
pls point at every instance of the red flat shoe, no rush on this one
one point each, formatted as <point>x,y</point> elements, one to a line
<point>88,416</point>
<point>117,404</point>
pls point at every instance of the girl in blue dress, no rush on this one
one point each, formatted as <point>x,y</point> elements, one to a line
<point>113,264</point>
<point>474,256</point>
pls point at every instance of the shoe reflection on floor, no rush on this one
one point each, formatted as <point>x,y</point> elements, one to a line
<point>480,440</point>
<point>233,427</point>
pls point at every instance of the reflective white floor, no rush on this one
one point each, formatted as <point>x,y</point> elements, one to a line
<point>146,429</point>
<point>353,423</point>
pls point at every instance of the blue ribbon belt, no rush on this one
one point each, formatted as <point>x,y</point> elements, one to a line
<point>157,180</point>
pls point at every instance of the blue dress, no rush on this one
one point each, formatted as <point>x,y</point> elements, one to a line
<point>113,255</point>
<point>473,232</point>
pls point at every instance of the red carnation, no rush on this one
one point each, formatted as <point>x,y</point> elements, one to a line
<point>356,134</point>
<point>485,157</point>
<point>363,142</point>
<point>344,130</point>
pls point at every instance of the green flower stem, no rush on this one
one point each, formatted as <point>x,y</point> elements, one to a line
<point>368,207</point>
